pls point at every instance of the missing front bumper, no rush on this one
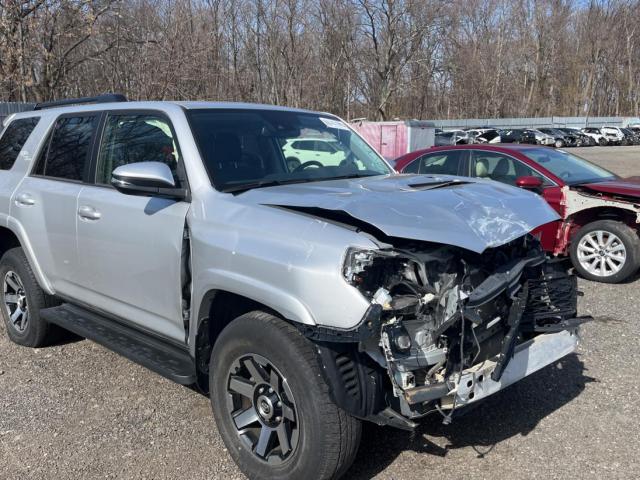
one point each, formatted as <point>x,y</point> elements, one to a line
<point>475,383</point>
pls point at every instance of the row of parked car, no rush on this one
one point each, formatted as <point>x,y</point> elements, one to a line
<point>556,137</point>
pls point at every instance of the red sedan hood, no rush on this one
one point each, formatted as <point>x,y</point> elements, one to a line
<point>628,187</point>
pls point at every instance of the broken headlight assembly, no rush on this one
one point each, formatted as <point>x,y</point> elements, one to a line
<point>444,309</point>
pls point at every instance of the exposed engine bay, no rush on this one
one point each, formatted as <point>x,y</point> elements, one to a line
<point>438,310</point>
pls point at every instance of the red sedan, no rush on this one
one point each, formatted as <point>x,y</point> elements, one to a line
<point>600,211</point>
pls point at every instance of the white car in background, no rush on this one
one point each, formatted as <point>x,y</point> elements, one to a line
<point>597,134</point>
<point>614,135</point>
<point>304,150</point>
<point>485,135</point>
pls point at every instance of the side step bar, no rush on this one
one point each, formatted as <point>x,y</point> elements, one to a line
<point>157,355</point>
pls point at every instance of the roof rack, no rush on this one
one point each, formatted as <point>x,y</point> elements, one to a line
<point>104,98</point>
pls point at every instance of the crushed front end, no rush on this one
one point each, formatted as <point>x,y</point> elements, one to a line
<point>447,327</point>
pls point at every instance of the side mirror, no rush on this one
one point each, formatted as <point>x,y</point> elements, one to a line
<point>529,182</point>
<point>152,179</point>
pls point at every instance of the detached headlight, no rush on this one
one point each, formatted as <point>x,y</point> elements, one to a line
<point>369,270</point>
<point>356,261</point>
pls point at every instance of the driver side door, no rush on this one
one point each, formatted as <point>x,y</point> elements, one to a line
<point>130,247</point>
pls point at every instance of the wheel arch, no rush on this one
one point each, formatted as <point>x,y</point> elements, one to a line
<point>13,235</point>
<point>594,214</point>
<point>217,309</point>
<point>8,240</point>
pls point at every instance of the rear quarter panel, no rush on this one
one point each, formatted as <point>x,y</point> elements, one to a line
<point>11,179</point>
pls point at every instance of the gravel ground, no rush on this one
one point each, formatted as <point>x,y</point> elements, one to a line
<point>79,411</point>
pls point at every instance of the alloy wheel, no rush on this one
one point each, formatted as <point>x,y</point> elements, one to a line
<point>15,301</point>
<point>262,407</point>
<point>601,253</point>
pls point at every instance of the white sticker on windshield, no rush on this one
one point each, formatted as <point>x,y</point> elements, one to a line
<point>331,123</point>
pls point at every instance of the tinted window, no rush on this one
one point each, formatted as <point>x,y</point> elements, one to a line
<point>69,148</point>
<point>324,147</point>
<point>413,167</point>
<point>501,168</point>
<point>131,138</point>
<point>443,163</point>
<point>304,145</point>
<point>13,139</point>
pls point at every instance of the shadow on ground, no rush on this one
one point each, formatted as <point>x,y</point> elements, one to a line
<point>515,411</point>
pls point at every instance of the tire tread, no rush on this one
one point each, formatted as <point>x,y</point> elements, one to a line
<point>342,431</point>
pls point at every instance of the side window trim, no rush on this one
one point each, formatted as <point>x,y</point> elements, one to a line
<point>551,182</point>
<point>93,172</point>
<point>45,146</point>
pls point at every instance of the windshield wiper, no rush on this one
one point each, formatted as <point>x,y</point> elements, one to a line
<point>351,175</point>
<point>263,184</point>
<point>274,183</point>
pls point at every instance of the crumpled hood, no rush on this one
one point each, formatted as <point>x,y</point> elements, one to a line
<point>475,214</point>
<point>629,187</point>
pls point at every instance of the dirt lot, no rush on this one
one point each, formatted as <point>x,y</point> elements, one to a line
<point>78,411</point>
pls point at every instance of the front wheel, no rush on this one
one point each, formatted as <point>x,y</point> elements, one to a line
<point>603,142</point>
<point>272,405</point>
<point>606,251</point>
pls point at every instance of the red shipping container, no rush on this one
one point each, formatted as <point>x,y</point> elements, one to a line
<point>392,139</point>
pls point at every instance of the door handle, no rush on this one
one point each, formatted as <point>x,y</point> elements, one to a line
<point>25,200</point>
<point>89,213</point>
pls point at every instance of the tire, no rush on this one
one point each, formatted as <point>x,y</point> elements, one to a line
<point>20,290</point>
<point>323,438</point>
<point>558,144</point>
<point>623,251</point>
<point>603,142</point>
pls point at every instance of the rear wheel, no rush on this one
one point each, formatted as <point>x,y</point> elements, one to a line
<point>603,142</point>
<point>606,251</point>
<point>21,300</point>
<point>272,406</point>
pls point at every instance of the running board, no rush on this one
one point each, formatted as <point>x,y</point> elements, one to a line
<point>157,355</point>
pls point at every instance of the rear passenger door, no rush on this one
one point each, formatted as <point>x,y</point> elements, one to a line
<point>130,247</point>
<point>45,201</point>
<point>449,162</point>
<point>12,141</point>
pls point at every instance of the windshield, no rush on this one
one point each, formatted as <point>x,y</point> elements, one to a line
<point>244,149</point>
<point>571,169</point>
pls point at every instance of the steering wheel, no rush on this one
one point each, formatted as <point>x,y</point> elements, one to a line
<point>310,163</point>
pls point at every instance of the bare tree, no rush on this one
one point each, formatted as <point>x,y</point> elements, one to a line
<point>375,58</point>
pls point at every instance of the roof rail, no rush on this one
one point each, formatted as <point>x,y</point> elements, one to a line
<point>104,98</point>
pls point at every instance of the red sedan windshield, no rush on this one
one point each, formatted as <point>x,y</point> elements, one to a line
<point>570,168</point>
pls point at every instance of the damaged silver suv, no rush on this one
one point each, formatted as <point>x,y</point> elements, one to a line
<point>305,293</point>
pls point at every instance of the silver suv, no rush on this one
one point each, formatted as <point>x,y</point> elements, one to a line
<point>304,297</point>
